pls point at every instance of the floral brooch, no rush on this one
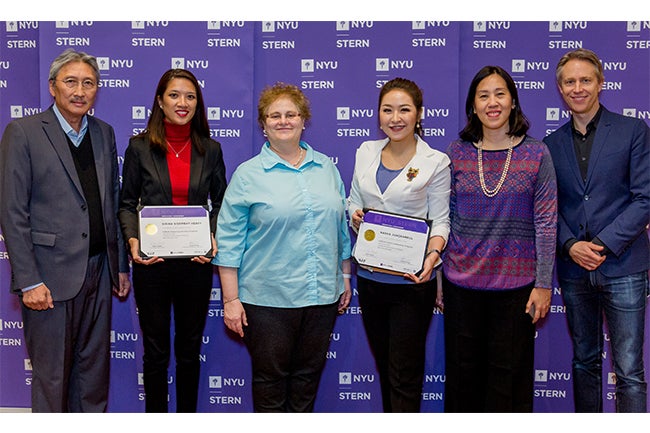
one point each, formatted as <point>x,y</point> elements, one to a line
<point>411,173</point>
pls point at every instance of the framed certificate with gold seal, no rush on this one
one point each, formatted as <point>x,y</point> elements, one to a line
<point>174,231</point>
<point>392,243</point>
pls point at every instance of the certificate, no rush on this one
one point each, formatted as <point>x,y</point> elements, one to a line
<point>392,243</point>
<point>174,231</point>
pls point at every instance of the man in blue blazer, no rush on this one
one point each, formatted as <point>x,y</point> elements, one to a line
<point>58,211</point>
<point>602,161</point>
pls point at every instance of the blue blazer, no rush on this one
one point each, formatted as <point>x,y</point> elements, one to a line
<point>43,212</point>
<point>614,202</point>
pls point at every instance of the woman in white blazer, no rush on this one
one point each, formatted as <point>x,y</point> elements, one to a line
<point>400,174</point>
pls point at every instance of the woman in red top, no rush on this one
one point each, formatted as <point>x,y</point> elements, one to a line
<point>172,162</point>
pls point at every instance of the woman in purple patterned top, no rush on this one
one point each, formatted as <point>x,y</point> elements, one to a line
<point>498,264</point>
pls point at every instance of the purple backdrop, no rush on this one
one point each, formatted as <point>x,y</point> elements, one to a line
<point>340,66</point>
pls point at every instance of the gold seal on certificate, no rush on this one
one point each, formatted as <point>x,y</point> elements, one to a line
<point>392,243</point>
<point>174,231</point>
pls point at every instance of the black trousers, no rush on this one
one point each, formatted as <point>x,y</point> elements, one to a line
<point>396,318</point>
<point>489,350</point>
<point>184,287</point>
<point>288,348</point>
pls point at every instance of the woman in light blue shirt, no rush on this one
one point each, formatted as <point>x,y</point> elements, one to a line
<point>283,255</point>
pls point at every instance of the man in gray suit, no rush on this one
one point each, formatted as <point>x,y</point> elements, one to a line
<point>58,211</point>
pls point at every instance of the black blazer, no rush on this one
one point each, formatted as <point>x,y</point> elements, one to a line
<point>145,181</point>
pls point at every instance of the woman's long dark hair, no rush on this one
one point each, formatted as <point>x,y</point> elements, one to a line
<point>518,123</point>
<point>155,130</point>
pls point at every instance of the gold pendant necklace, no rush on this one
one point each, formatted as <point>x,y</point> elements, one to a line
<point>492,192</point>
<point>300,154</point>
<point>179,152</point>
<point>294,164</point>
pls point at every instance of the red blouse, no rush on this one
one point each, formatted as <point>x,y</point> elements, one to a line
<point>179,155</point>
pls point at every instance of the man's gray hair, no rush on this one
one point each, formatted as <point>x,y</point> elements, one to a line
<point>71,55</point>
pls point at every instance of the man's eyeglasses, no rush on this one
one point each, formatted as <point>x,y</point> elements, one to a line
<point>72,83</point>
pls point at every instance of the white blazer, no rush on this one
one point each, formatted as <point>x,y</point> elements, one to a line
<point>421,189</point>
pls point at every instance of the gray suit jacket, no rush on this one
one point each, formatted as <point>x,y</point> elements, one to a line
<point>43,212</point>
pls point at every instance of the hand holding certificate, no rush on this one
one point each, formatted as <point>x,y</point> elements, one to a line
<point>174,231</point>
<point>392,243</point>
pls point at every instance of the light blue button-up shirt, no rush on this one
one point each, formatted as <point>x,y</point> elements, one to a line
<point>74,136</point>
<point>285,230</point>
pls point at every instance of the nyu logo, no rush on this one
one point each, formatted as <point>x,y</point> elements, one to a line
<point>555,114</point>
<point>123,336</point>
<point>139,112</point>
<point>218,382</point>
<point>106,63</point>
<point>541,375</point>
<point>522,65</point>
<point>182,63</point>
<point>633,112</point>
<point>611,378</point>
<point>614,66</point>
<point>142,24</point>
<point>421,25</point>
<point>217,25</point>
<point>545,376</point>
<point>68,24</point>
<point>310,65</point>
<point>558,26</point>
<point>345,26</point>
<point>14,26</point>
<point>272,26</point>
<point>347,378</point>
<point>636,26</point>
<point>385,64</point>
<point>218,113</point>
<point>483,26</point>
<point>214,113</point>
<point>215,294</point>
<point>18,111</point>
<point>346,113</point>
<point>435,112</point>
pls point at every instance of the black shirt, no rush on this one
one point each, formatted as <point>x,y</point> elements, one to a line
<point>582,143</point>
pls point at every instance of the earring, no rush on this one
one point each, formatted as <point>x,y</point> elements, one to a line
<point>264,132</point>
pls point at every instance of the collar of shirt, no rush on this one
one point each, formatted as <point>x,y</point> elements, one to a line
<point>271,159</point>
<point>73,135</point>
<point>591,126</point>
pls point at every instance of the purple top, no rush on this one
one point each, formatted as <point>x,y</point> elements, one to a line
<point>506,241</point>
